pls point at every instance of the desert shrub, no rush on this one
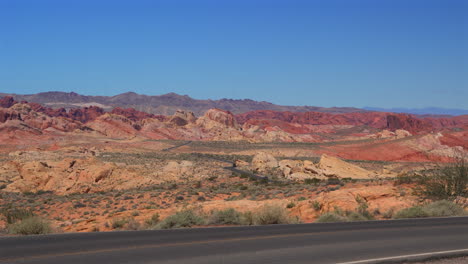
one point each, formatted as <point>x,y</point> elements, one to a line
<point>333,181</point>
<point>118,223</point>
<point>356,216</point>
<point>338,215</point>
<point>331,218</point>
<point>290,205</point>
<point>247,218</point>
<point>435,209</point>
<point>185,218</point>
<point>153,220</point>
<point>313,181</point>
<point>13,215</point>
<point>446,182</point>
<point>412,212</point>
<point>30,226</point>
<point>132,224</point>
<point>273,214</point>
<point>302,198</point>
<point>226,217</point>
<point>361,213</point>
<point>444,208</point>
<point>316,205</point>
<point>406,179</point>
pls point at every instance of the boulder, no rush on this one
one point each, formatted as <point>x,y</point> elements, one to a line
<point>241,163</point>
<point>335,167</point>
<point>263,161</point>
<point>217,118</point>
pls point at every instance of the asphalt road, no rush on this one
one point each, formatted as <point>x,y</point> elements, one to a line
<point>302,243</point>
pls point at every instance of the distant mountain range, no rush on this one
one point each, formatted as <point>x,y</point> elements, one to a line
<point>165,104</point>
<point>422,111</point>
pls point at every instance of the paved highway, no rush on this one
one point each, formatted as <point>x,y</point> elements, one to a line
<point>358,242</point>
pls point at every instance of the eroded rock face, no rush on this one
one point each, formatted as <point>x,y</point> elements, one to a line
<point>217,118</point>
<point>85,114</point>
<point>9,115</point>
<point>335,167</point>
<point>263,161</point>
<point>182,118</point>
<point>385,198</point>
<point>66,176</point>
<point>407,122</point>
<point>28,118</point>
<point>300,170</point>
<point>7,102</point>
<point>326,168</point>
<point>115,126</point>
<point>399,133</point>
<point>131,113</point>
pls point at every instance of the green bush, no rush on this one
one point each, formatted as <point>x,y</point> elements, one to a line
<point>313,181</point>
<point>118,223</point>
<point>412,212</point>
<point>446,182</point>
<point>290,205</point>
<point>444,208</point>
<point>247,218</point>
<point>360,214</point>
<point>226,217</point>
<point>132,224</point>
<point>186,218</point>
<point>273,214</point>
<point>356,216</point>
<point>331,218</point>
<point>12,215</point>
<point>30,226</point>
<point>435,209</point>
<point>153,220</point>
<point>316,205</point>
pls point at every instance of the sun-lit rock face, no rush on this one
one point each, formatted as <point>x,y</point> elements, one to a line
<point>385,198</point>
<point>115,126</point>
<point>182,118</point>
<point>300,170</point>
<point>335,167</point>
<point>217,118</point>
<point>263,161</point>
<point>132,114</point>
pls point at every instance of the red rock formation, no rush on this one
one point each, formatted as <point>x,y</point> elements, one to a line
<point>135,115</point>
<point>85,114</point>
<point>453,139</point>
<point>407,122</point>
<point>218,118</point>
<point>7,102</point>
<point>379,120</point>
<point>8,115</point>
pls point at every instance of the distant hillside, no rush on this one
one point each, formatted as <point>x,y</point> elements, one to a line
<point>422,111</point>
<point>165,104</point>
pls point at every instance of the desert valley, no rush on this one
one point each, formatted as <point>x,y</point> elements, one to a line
<point>94,164</point>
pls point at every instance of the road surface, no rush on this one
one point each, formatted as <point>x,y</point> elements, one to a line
<point>355,242</point>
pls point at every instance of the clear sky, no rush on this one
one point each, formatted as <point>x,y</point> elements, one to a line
<point>383,53</point>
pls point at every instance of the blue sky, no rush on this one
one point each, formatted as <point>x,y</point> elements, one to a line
<point>386,53</point>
